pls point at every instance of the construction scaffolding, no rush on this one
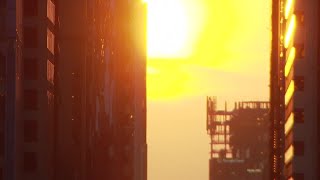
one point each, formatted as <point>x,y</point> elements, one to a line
<point>238,140</point>
<point>219,129</point>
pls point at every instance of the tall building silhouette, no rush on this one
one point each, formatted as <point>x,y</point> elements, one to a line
<point>295,89</point>
<point>126,89</point>
<point>72,89</point>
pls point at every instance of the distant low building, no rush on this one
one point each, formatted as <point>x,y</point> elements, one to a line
<point>239,141</point>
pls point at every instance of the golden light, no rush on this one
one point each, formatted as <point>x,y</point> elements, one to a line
<point>288,154</point>
<point>290,31</point>
<point>173,27</point>
<point>168,29</point>
<point>288,8</point>
<point>213,34</point>
<point>290,60</point>
<point>289,92</point>
<point>289,124</point>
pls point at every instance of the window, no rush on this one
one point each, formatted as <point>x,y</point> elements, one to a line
<point>30,8</point>
<point>289,93</point>
<point>30,131</point>
<point>51,11</point>
<point>299,148</point>
<point>30,100</point>
<point>50,71</point>
<point>2,67</point>
<point>30,37</point>
<point>30,162</point>
<point>288,155</point>
<point>300,52</point>
<point>31,69</point>
<point>299,83</point>
<point>299,115</point>
<point>50,41</point>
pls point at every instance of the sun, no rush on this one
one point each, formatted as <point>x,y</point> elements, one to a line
<point>168,29</point>
<point>173,27</point>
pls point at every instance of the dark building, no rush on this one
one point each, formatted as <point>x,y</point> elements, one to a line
<point>72,89</point>
<point>295,90</point>
<point>27,89</point>
<point>126,84</point>
<point>239,141</point>
<point>101,113</point>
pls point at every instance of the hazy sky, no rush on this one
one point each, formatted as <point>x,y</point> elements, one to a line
<point>199,48</point>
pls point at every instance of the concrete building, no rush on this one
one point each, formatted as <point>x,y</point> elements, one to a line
<point>295,89</point>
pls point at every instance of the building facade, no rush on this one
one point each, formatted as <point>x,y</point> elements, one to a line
<point>126,86</point>
<point>295,89</point>
<point>27,80</point>
<point>72,89</point>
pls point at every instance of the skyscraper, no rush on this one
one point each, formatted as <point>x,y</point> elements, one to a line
<point>126,87</point>
<point>101,90</point>
<point>72,89</point>
<point>295,90</point>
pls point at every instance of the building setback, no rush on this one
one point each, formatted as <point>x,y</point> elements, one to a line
<point>295,90</point>
<point>72,89</point>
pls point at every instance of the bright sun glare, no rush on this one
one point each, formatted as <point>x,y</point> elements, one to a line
<point>168,29</point>
<point>215,34</point>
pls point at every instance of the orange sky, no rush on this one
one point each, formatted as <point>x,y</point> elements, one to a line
<point>205,47</point>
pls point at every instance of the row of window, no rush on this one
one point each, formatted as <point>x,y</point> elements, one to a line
<point>30,163</point>
<point>30,129</point>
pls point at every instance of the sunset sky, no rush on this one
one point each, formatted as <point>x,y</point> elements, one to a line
<point>198,48</point>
